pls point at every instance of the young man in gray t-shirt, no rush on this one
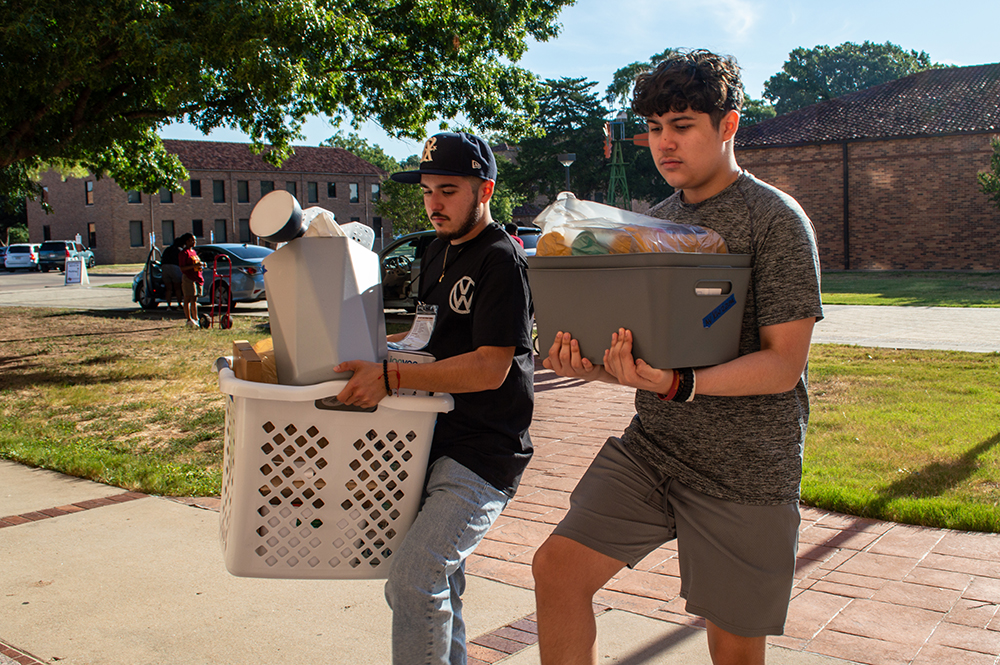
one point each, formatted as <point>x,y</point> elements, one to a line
<point>713,456</point>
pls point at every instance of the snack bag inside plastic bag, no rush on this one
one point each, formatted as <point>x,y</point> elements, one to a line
<point>573,227</point>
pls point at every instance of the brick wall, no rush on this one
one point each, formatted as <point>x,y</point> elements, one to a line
<point>111,213</point>
<point>914,204</point>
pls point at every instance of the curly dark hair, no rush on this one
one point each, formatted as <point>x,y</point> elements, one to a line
<point>699,80</point>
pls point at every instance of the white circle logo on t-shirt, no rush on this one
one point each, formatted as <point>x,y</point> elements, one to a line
<point>460,299</point>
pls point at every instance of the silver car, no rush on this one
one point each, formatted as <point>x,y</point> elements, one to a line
<point>22,256</point>
<point>233,273</point>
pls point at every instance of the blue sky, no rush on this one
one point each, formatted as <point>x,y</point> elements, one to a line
<point>599,37</point>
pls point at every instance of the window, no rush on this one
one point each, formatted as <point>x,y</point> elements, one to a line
<point>355,219</point>
<point>245,230</point>
<point>135,233</point>
<point>331,190</point>
<point>220,231</point>
<point>45,194</point>
<point>166,196</point>
<point>312,192</point>
<point>197,228</point>
<point>134,196</point>
<point>355,197</point>
<point>243,191</point>
<point>376,192</point>
<point>266,187</point>
<point>92,235</point>
<point>89,189</point>
<point>292,187</point>
<point>167,229</point>
<point>196,189</point>
<point>219,191</point>
<point>46,232</point>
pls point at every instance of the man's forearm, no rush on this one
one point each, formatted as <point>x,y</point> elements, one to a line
<point>482,369</point>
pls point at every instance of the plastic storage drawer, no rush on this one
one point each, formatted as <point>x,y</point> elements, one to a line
<point>684,310</point>
<point>312,492</point>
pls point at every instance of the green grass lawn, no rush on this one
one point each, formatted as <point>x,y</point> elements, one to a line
<point>923,289</point>
<point>903,435</point>
<point>909,436</point>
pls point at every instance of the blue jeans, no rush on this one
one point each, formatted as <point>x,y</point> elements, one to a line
<point>427,577</point>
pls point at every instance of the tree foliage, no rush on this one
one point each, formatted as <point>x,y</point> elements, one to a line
<point>570,120</point>
<point>821,73</point>
<point>90,83</point>
<point>989,181</point>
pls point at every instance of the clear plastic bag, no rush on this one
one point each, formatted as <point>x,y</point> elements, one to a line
<point>573,227</point>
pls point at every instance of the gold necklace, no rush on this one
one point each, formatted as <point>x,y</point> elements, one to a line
<point>444,264</point>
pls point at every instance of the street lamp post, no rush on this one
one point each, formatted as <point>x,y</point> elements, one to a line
<point>566,159</point>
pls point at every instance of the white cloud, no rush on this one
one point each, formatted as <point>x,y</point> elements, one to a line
<point>737,17</point>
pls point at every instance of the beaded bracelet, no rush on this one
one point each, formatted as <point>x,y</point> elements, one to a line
<point>385,376</point>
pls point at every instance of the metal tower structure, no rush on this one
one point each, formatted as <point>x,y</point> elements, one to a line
<point>614,133</point>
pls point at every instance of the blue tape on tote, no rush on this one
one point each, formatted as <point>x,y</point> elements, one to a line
<point>717,313</point>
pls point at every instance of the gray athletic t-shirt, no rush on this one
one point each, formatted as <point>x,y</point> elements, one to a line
<point>742,449</point>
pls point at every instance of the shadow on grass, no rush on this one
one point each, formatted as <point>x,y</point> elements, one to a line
<point>17,381</point>
<point>936,478</point>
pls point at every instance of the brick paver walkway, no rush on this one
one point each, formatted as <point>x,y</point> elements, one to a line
<point>866,591</point>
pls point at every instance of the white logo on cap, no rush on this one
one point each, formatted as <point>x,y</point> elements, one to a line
<point>429,147</point>
<point>476,165</point>
<point>460,298</point>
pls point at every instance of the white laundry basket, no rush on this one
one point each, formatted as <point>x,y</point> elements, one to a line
<point>310,492</point>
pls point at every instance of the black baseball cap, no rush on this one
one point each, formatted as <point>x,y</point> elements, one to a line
<point>453,153</point>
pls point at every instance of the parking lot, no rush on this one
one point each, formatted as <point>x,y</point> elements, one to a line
<point>36,289</point>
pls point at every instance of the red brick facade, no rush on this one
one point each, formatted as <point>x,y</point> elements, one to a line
<point>911,204</point>
<point>108,225</point>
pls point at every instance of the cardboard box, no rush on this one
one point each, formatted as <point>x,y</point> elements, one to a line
<point>684,310</point>
<point>246,363</point>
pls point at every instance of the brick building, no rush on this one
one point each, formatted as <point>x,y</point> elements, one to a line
<point>888,174</point>
<point>226,181</point>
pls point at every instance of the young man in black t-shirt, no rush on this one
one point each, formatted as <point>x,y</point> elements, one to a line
<point>475,276</point>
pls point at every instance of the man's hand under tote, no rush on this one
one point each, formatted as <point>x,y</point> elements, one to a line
<point>565,359</point>
<point>619,363</point>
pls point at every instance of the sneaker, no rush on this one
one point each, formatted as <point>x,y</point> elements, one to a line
<point>192,324</point>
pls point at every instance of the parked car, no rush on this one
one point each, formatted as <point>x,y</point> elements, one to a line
<point>53,254</point>
<point>21,256</point>
<point>247,284</point>
<point>3,254</point>
<point>400,263</point>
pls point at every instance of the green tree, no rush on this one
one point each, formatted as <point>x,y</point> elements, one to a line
<point>505,197</point>
<point>821,73</point>
<point>754,111</point>
<point>570,120</point>
<point>90,83</point>
<point>360,147</point>
<point>403,203</point>
<point>989,181</point>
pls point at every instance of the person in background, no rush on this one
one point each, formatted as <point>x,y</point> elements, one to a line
<point>511,229</point>
<point>192,280</point>
<point>476,279</point>
<point>713,456</point>
<point>172,275</point>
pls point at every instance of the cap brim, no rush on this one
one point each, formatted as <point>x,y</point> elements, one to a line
<point>413,177</point>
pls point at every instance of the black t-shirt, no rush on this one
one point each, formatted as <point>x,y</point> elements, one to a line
<point>171,255</point>
<point>483,299</point>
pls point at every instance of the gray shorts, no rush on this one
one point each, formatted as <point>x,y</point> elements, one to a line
<point>737,562</point>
